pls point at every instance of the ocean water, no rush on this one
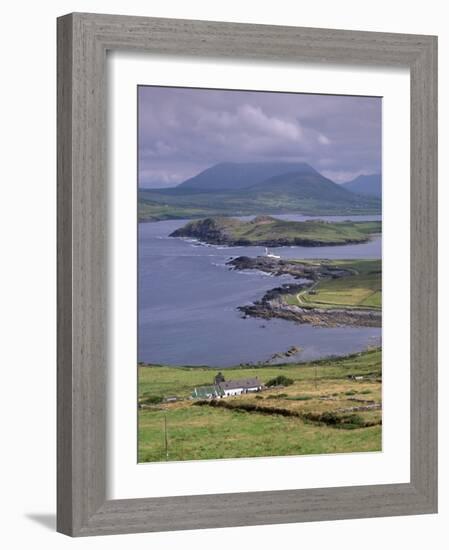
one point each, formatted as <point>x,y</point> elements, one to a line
<point>188,299</point>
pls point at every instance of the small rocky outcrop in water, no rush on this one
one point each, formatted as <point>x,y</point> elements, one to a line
<point>292,350</point>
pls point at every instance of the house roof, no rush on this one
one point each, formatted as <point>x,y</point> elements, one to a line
<point>206,391</point>
<point>241,383</point>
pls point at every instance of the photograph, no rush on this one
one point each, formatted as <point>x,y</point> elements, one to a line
<point>259,273</point>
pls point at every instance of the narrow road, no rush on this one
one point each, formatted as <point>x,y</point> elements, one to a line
<point>302,292</point>
<point>308,289</point>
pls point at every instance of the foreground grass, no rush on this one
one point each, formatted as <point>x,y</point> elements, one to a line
<point>204,432</point>
<point>196,433</point>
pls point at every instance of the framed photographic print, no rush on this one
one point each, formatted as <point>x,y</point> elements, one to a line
<point>247,274</point>
<point>245,308</point>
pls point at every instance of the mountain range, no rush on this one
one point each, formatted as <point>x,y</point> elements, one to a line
<point>232,176</point>
<point>254,188</point>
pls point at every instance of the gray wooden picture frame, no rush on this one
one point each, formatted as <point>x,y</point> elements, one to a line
<point>83,40</point>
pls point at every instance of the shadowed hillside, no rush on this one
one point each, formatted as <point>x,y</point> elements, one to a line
<point>365,185</point>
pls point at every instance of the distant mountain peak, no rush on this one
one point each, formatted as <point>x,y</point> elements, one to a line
<point>370,184</point>
<point>240,175</point>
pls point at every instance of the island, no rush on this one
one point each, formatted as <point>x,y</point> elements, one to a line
<point>272,232</point>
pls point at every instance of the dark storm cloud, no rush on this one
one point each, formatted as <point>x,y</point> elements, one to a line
<point>183,131</point>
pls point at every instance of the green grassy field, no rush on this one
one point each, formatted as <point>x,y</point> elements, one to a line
<point>362,290</point>
<point>292,420</point>
<point>316,231</point>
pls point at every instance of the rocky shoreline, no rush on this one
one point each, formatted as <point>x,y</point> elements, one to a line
<point>313,316</point>
<point>296,269</point>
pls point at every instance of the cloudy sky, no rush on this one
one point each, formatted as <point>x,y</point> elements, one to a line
<point>183,131</point>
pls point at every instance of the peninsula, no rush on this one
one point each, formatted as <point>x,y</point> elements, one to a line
<point>328,293</point>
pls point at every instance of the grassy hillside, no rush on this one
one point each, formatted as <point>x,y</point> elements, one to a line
<point>317,413</point>
<point>302,186</point>
<point>268,231</point>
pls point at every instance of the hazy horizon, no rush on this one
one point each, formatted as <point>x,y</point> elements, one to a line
<point>175,184</point>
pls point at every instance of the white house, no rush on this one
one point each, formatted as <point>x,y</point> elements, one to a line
<point>221,388</point>
<point>243,385</point>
